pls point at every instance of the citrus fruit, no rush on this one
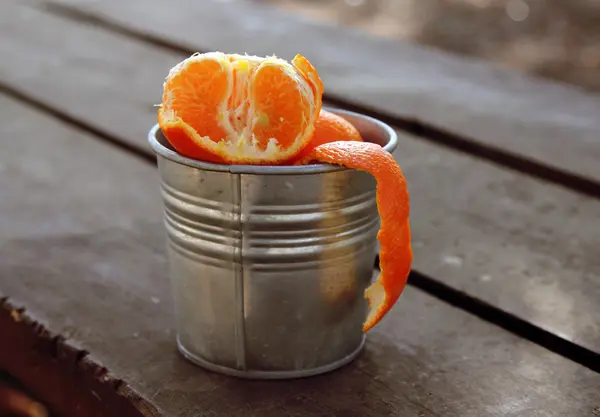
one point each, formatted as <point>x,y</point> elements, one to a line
<point>329,128</point>
<point>240,109</point>
<point>395,253</point>
<point>234,109</point>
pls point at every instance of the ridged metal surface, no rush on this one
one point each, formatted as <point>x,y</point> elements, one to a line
<point>268,267</point>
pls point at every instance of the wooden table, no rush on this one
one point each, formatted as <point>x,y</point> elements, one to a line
<point>502,314</point>
<point>554,39</point>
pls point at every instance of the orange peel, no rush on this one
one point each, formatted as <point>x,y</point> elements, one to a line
<point>395,254</point>
<point>329,127</point>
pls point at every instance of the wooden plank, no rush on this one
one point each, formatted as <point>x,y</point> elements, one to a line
<point>110,82</point>
<point>522,245</point>
<point>58,375</point>
<point>91,265</point>
<point>548,122</point>
<point>533,42</point>
<point>64,193</point>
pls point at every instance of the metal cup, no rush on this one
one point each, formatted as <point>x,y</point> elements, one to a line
<point>268,264</point>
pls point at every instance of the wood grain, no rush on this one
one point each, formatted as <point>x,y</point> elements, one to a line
<point>552,39</point>
<point>90,264</point>
<point>546,122</point>
<point>51,371</point>
<point>525,246</point>
<point>110,82</point>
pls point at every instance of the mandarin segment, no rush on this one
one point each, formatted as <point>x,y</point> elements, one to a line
<point>195,93</point>
<point>395,255</point>
<point>280,107</point>
<point>181,141</point>
<point>311,75</point>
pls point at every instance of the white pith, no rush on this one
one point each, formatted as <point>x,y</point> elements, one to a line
<point>240,143</point>
<point>376,296</point>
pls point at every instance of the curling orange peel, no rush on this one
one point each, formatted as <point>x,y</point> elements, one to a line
<point>395,254</point>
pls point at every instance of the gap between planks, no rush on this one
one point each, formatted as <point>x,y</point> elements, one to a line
<point>424,131</point>
<point>432,286</point>
<point>119,143</point>
<point>504,319</point>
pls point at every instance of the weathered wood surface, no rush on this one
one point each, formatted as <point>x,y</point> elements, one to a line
<point>110,82</point>
<point>525,246</point>
<point>550,38</point>
<point>59,191</point>
<point>60,376</point>
<point>83,250</point>
<point>551,123</point>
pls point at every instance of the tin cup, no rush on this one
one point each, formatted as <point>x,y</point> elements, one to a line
<point>268,264</point>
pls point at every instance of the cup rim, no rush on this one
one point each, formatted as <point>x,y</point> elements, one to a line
<point>170,154</point>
